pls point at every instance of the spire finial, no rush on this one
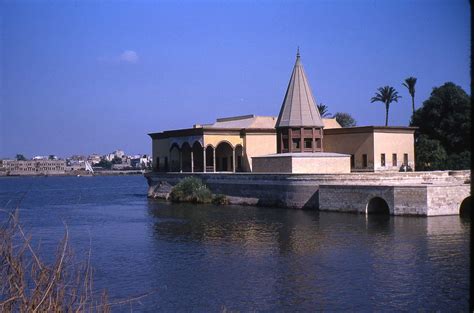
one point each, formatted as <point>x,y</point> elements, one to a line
<point>298,52</point>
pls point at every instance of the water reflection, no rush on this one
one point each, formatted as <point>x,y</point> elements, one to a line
<point>322,260</point>
<point>203,258</point>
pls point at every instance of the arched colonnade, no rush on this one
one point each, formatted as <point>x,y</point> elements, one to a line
<point>224,157</point>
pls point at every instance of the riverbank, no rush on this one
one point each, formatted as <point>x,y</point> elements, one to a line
<point>79,173</point>
<point>398,193</point>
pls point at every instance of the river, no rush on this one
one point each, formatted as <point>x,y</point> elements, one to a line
<point>206,258</point>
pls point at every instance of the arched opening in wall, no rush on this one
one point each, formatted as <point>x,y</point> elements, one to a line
<point>174,158</point>
<point>465,210</point>
<point>224,157</point>
<point>239,156</point>
<point>198,157</point>
<point>377,205</point>
<point>186,157</point>
<point>209,159</point>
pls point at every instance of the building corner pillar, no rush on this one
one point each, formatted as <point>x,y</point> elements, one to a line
<point>233,160</point>
<point>204,159</point>
<point>214,158</point>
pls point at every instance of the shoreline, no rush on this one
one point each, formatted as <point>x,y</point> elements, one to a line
<point>397,193</point>
<point>80,174</point>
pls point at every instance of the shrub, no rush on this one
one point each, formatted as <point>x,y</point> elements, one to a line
<point>191,189</point>
<point>220,199</point>
<point>28,284</point>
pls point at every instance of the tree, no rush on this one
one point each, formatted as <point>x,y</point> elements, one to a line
<point>105,164</point>
<point>410,83</point>
<point>20,157</point>
<point>52,157</point>
<point>323,110</point>
<point>429,154</point>
<point>386,95</point>
<point>117,160</point>
<point>446,118</point>
<point>345,119</point>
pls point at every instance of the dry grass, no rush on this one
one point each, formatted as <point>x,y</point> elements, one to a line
<point>29,284</point>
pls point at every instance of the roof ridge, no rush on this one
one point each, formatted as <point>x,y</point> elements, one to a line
<point>296,111</point>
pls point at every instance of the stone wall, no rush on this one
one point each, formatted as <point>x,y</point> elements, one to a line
<point>421,200</point>
<point>446,200</point>
<point>344,198</point>
<point>412,193</point>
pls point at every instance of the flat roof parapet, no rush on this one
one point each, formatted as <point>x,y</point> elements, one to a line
<point>235,118</point>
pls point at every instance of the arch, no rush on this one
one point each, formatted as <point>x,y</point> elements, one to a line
<point>210,158</point>
<point>225,141</point>
<point>224,157</point>
<point>377,205</point>
<point>175,152</point>
<point>175,145</point>
<point>198,157</point>
<point>465,209</point>
<point>186,157</point>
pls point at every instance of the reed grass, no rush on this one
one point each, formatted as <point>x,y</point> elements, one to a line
<point>30,284</point>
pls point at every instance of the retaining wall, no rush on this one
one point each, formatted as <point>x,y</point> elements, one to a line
<point>411,193</point>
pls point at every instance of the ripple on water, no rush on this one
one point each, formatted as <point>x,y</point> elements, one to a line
<point>205,258</point>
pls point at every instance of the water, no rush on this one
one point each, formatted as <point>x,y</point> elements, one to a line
<point>205,258</point>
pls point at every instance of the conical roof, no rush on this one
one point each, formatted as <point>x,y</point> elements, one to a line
<point>299,107</point>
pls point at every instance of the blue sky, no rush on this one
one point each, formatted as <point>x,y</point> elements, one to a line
<point>81,77</point>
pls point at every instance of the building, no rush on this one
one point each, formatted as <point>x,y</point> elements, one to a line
<point>297,141</point>
<point>35,167</point>
<point>94,158</point>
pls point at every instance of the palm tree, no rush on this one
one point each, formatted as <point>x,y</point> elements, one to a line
<point>386,95</point>
<point>410,83</point>
<point>323,110</point>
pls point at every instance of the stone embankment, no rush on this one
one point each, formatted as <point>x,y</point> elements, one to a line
<point>406,193</point>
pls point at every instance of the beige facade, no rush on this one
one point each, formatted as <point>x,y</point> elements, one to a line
<point>373,148</point>
<point>230,145</point>
<point>258,144</point>
<point>225,146</point>
<point>303,163</point>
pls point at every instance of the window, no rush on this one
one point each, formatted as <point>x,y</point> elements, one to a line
<point>308,143</point>
<point>382,159</point>
<point>405,158</point>
<point>364,160</point>
<point>157,163</point>
<point>166,164</point>
<point>394,159</point>
<point>296,143</point>
<point>352,161</point>
<point>285,144</point>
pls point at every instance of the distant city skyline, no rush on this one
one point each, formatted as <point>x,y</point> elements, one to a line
<point>92,77</point>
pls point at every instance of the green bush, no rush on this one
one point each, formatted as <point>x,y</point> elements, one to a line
<point>220,199</point>
<point>191,189</point>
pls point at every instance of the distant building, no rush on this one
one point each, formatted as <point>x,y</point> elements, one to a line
<point>122,166</point>
<point>35,167</point>
<point>78,158</point>
<point>94,158</point>
<point>119,153</point>
<point>74,165</point>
